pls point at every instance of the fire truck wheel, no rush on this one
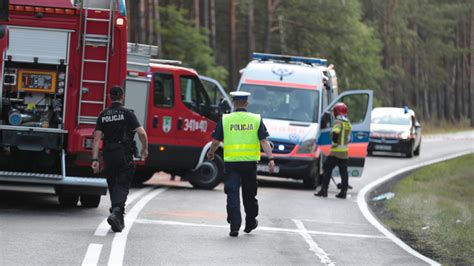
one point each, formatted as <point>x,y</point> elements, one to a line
<point>312,180</point>
<point>90,201</point>
<point>209,174</point>
<point>68,200</point>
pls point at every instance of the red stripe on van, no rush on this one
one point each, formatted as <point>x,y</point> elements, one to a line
<point>280,84</point>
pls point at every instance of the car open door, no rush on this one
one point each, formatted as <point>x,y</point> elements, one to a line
<point>219,97</point>
<point>359,104</point>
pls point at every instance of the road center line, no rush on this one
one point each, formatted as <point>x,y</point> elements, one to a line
<point>313,246</point>
<point>119,242</point>
<point>364,208</point>
<point>92,255</point>
<point>260,228</point>
<point>104,227</point>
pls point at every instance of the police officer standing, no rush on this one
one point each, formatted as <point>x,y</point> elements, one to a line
<point>242,133</point>
<point>117,126</point>
<point>340,136</point>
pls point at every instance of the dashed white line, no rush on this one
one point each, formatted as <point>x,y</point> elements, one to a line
<point>104,227</point>
<point>313,246</point>
<point>92,255</point>
<point>260,228</point>
<point>364,208</point>
<point>120,239</point>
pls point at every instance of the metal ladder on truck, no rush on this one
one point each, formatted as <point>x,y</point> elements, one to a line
<point>93,94</point>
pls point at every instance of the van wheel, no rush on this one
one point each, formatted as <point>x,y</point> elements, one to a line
<point>312,180</point>
<point>209,174</point>
<point>68,200</point>
<point>90,201</point>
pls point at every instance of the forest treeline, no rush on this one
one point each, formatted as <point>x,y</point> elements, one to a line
<point>410,52</point>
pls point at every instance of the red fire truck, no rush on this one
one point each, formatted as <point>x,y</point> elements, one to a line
<point>179,110</point>
<point>58,59</point>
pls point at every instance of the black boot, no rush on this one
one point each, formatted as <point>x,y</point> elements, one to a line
<point>342,194</point>
<point>322,193</point>
<point>234,231</point>
<point>116,220</point>
<point>251,225</point>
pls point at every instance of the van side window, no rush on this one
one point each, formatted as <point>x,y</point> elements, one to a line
<point>163,90</point>
<point>194,95</point>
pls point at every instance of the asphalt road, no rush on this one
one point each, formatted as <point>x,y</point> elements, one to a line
<point>170,223</point>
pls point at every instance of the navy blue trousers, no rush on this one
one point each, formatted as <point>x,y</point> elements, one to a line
<point>241,174</point>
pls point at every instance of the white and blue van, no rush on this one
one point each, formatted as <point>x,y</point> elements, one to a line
<point>294,96</point>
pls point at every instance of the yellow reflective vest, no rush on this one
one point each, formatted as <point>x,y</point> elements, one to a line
<point>241,143</point>
<point>340,147</point>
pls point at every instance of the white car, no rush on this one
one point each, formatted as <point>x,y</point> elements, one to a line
<point>394,130</point>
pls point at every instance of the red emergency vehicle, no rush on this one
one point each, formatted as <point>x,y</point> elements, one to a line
<point>179,110</point>
<point>58,59</point>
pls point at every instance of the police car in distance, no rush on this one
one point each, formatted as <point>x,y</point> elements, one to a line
<point>395,130</point>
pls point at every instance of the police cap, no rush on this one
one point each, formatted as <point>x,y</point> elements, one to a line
<point>116,91</point>
<point>240,95</point>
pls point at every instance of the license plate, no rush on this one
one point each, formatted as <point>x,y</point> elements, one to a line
<point>383,147</point>
<point>264,168</point>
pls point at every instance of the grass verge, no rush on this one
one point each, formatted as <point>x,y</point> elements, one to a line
<point>436,126</point>
<point>433,211</point>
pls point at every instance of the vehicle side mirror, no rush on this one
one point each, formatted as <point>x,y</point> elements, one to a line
<point>326,120</point>
<point>4,11</point>
<point>224,107</point>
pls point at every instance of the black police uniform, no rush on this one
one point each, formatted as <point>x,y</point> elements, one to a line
<point>118,125</point>
<point>237,173</point>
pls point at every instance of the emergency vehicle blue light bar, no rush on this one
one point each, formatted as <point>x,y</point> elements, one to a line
<point>289,58</point>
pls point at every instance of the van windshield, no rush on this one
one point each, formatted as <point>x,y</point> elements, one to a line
<point>283,103</point>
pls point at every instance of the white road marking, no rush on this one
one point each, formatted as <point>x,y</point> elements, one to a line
<point>313,246</point>
<point>92,255</point>
<point>364,208</point>
<point>260,228</point>
<point>119,242</point>
<point>104,227</point>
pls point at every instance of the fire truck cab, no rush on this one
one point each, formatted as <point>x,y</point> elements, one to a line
<point>294,96</point>
<point>58,60</point>
<point>179,110</point>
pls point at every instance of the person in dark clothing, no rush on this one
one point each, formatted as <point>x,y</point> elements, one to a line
<point>117,125</point>
<point>242,133</point>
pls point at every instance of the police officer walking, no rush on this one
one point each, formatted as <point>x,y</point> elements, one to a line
<point>243,134</point>
<point>117,126</point>
<point>340,136</point>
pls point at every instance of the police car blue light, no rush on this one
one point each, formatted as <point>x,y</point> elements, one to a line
<point>288,58</point>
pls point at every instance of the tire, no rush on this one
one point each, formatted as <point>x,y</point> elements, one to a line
<point>142,175</point>
<point>90,201</point>
<point>410,152</point>
<point>312,180</point>
<point>209,174</point>
<point>68,200</point>
<point>418,149</point>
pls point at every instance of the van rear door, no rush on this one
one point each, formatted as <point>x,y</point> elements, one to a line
<point>359,104</point>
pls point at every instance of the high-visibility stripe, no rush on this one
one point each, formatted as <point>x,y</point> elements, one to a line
<point>242,146</point>
<point>241,153</point>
